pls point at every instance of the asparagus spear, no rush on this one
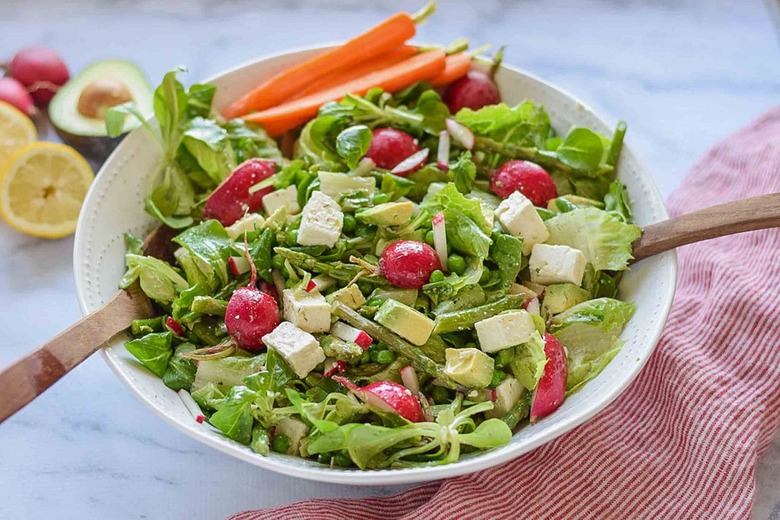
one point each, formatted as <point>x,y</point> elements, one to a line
<point>519,412</point>
<point>337,270</point>
<point>466,318</point>
<point>341,350</point>
<point>420,361</point>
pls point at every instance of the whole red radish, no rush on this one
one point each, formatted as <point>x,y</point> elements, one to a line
<point>474,90</point>
<point>551,390</point>
<point>390,146</point>
<point>14,93</point>
<point>269,289</point>
<point>528,178</point>
<point>231,200</point>
<point>41,70</point>
<point>408,263</point>
<point>386,396</point>
<point>251,313</point>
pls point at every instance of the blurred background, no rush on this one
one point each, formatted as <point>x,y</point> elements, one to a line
<point>682,73</point>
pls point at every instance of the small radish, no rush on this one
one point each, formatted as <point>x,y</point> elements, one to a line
<point>269,289</point>
<point>251,313</point>
<point>443,153</point>
<point>349,333</point>
<point>440,238</point>
<point>390,146</point>
<point>409,378</point>
<point>386,396</point>
<point>231,200</point>
<point>411,164</point>
<point>551,390</point>
<point>474,90</point>
<point>175,327</point>
<point>460,133</point>
<point>14,93</point>
<point>41,71</point>
<point>408,263</point>
<point>238,265</point>
<point>528,178</point>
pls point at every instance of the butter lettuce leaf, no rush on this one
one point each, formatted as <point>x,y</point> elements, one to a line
<point>153,351</point>
<point>528,362</point>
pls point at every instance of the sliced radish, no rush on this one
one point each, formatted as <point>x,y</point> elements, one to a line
<point>364,167</point>
<point>191,406</point>
<point>443,153</point>
<point>460,133</point>
<point>349,333</point>
<point>551,390</point>
<point>533,306</point>
<point>482,395</point>
<point>386,396</point>
<point>336,367</point>
<point>321,283</point>
<point>176,327</point>
<point>238,265</point>
<point>412,163</point>
<point>409,378</point>
<point>440,238</point>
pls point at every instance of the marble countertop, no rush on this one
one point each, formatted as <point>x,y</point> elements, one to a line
<point>683,74</point>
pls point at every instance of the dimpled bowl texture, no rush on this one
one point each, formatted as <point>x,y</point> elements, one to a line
<point>115,204</point>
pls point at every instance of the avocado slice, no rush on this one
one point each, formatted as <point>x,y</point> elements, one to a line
<point>78,109</point>
<point>561,296</point>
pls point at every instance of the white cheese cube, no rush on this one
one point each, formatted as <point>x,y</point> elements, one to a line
<point>299,349</point>
<point>334,185</point>
<point>488,212</point>
<point>286,197</point>
<point>505,330</point>
<point>518,217</point>
<point>248,224</point>
<point>508,393</point>
<point>307,310</point>
<point>556,264</point>
<point>321,221</point>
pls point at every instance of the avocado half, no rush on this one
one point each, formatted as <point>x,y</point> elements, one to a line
<point>78,109</point>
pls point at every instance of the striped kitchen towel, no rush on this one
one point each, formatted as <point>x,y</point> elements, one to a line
<point>683,441</point>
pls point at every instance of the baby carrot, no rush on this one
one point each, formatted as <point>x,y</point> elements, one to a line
<point>456,65</point>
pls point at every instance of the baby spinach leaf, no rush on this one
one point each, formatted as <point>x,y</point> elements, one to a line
<point>352,144</point>
<point>507,253</point>
<point>489,434</point>
<point>463,173</point>
<point>199,98</point>
<point>209,396</point>
<point>234,417</point>
<point>465,235</point>
<point>180,373</point>
<point>209,243</point>
<point>159,281</point>
<point>616,201</point>
<point>153,351</point>
<point>581,149</point>
<point>208,143</point>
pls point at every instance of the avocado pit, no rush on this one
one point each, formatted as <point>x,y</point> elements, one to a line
<point>100,95</point>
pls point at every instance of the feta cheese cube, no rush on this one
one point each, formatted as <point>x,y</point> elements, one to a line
<point>286,197</point>
<point>504,330</point>
<point>508,393</point>
<point>298,348</point>
<point>321,221</point>
<point>334,185</point>
<point>248,223</point>
<point>349,296</point>
<point>307,310</point>
<point>518,217</point>
<point>556,264</point>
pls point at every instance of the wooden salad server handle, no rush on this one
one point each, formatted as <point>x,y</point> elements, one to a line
<point>750,214</point>
<point>30,376</point>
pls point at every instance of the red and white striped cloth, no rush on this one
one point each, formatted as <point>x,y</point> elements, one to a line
<point>684,440</point>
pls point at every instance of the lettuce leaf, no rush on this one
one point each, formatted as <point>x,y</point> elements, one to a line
<point>234,417</point>
<point>525,124</point>
<point>604,238</point>
<point>153,351</point>
<point>528,362</point>
<point>208,243</point>
<point>590,332</point>
<point>180,373</point>
<point>159,281</point>
<point>450,198</point>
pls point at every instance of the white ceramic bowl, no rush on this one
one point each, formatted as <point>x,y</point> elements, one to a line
<point>114,205</point>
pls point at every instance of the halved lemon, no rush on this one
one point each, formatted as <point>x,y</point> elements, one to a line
<point>42,188</point>
<point>16,131</point>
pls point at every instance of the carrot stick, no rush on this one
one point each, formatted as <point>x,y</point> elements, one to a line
<point>422,67</point>
<point>457,65</point>
<point>387,35</point>
<point>360,69</point>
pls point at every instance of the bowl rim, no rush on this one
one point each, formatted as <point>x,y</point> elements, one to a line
<point>505,454</point>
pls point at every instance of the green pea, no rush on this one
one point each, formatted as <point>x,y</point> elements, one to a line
<point>504,357</point>
<point>436,276</point>
<point>277,262</point>
<point>471,344</point>
<point>385,357</point>
<point>498,376</point>
<point>341,460</point>
<point>365,358</point>
<point>429,237</point>
<point>350,223</point>
<point>440,395</point>
<point>324,458</point>
<point>365,287</point>
<point>281,443</point>
<point>381,198</point>
<point>456,264</point>
<point>292,237</point>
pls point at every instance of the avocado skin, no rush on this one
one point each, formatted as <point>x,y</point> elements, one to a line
<point>93,147</point>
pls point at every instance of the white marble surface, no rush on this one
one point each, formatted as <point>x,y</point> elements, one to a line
<point>683,74</point>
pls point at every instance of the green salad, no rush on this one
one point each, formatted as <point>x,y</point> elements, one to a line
<point>403,286</point>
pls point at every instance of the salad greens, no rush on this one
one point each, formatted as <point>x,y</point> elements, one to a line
<point>296,391</point>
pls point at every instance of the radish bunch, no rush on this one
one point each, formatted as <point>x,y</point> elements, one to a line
<point>34,76</point>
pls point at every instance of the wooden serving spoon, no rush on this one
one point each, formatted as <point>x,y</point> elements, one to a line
<point>27,378</point>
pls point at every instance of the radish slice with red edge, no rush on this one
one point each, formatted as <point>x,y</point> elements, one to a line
<point>440,238</point>
<point>321,283</point>
<point>412,163</point>
<point>409,378</point>
<point>386,396</point>
<point>176,327</point>
<point>364,167</point>
<point>349,333</point>
<point>533,306</point>
<point>336,367</point>
<point>551,390</point>
<point>443,152</point>
<point>191,406</point>
<point>460,133</point>
<point>238,265</point>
